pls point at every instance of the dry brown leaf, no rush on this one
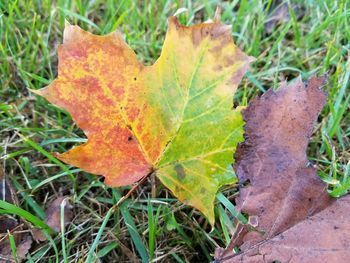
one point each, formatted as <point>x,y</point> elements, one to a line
<point>294,219</point>
<point>280,15</point>
<point>53,213</point>
<point>53,216</point>
<point>22,247</point>
<point>11,224</point>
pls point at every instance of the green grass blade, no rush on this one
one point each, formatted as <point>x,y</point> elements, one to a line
<point>12,209</point>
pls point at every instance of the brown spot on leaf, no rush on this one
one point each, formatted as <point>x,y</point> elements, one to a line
<point>180,171</point>
<point>217,68</point>
<point>214,30</point>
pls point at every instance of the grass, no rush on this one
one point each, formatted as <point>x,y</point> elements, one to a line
<point>152,225</point>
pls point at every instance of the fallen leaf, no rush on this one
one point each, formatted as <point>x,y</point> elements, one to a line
<point>280,14</point>
<point>323,237</point>
<point>53,213</point>
<point>9,224</point>
<point>23,244</point>
<point>174,118</point>
<point>53,216</point>
<point>273,157</point>
<point>294,218</point>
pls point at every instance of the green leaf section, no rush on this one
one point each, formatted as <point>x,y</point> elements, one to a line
<point>196,166</point>
<point>199,70</point>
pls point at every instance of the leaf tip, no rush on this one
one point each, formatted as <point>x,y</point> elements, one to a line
<point>66,23</point>
<point>251,59</point>
<point>217,16</point>
<point>318,82</point>
<point>173,22</point>
<point>71,32</point>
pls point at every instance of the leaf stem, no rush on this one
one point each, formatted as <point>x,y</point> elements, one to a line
<point>135,186</point>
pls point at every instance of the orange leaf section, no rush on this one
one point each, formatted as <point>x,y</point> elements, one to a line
<point>93,74</point>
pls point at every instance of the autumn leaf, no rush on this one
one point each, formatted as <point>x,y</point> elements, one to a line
<point>292,218</point>
<point>174,118</point>
<point>273,157</point>
<point>323,237</point>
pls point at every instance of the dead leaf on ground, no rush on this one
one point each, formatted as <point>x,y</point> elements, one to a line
<point>280,14</point>
<point>53,213</point>
<point>294,218</point>
<point>53,216</point>
<point>277,16</point>
<point>9,224</point>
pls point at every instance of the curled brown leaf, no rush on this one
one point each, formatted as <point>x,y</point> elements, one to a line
<point>295,220</point>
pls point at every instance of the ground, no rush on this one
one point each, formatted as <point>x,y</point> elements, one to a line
<point>311,37</point>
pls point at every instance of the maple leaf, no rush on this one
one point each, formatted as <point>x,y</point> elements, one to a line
<point>292,216</point>
<point>174,118</point>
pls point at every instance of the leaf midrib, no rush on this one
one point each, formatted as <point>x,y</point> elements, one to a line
<point>187,99</point>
